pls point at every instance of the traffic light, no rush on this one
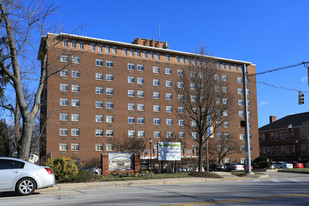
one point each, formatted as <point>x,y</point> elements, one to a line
<point>300,98</point>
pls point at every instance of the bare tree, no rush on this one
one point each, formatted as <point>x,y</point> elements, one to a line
<point>128,144</point>
<point>20,20</point>
<point>222,147</point>
<point>202,90</point>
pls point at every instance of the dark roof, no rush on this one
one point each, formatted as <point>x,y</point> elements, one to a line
<point>296,120</point>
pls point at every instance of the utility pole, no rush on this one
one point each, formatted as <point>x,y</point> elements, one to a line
<point>247,133</point>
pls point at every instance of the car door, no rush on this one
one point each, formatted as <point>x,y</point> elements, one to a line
<point>10,171</point>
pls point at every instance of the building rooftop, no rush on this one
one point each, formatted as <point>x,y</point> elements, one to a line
<point>296,120</point>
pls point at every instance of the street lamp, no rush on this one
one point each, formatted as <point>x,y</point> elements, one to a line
<point>150,141</point>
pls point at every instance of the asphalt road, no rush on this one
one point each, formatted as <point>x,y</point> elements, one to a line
<point>278,189</point>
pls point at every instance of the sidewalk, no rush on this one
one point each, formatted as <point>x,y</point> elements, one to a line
<point>114,184</point>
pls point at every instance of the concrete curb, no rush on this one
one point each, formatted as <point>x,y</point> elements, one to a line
<point>131,183</point>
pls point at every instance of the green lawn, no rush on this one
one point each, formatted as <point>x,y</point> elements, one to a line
<point>298,170</point>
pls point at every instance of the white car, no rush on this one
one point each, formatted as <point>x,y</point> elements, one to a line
<point>282,165</point>
<point>23,177</point>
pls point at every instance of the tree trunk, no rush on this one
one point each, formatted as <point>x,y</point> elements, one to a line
<point>200,156</point>
<point>25,141</point>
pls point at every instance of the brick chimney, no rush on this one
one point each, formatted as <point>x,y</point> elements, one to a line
<point>272,118</point>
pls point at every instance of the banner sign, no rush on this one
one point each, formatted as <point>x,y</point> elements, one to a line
<point>169,151</point>
<point>120,161</point>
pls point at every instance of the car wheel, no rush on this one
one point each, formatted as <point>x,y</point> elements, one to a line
<point>25,186</point>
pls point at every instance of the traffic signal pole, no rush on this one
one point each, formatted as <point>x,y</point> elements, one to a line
<point>247,133</point>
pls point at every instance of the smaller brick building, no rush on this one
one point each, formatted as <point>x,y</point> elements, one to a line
<point>286,139</point>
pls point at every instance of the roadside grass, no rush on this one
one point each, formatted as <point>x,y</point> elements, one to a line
<point>243,173</point>
<point>298,170</point>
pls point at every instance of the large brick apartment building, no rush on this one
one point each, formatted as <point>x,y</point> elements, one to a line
<point>111,89</point>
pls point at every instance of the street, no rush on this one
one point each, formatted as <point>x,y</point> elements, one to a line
<point>278,189</point>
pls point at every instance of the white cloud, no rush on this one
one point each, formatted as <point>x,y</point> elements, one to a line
<point>304,79</point>
<point>263,103</point>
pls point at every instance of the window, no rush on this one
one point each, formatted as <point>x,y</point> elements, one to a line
<point>131,93</point>
<point>168,96</point>
<point>181,122</point>
<point>140,67</point>
<point>194,135</point>
<point>179,72</point>
<point>75,147</point>
<point>145,54</point>
<point>180,97</point>
<point>239,80</point>
<point>169,134</point>
<point>180,84</point>
<point>63,131</point>
<point>225,113</point>
<point>167,58</point>
<point>81,45</point>
<point>131,79</point>
<point>64,58</point>
<point>224,89</point>
<point>109,147</point>
<point>75,102</point>
<point>224,101</point>
<point>63,147</point>
<point>109,105</point>
<point>181,135</point>
<point>73,44</point>
<point>109,63</point>
<point>182,60</point>
<point>109,119</point>
<point>99,76</point>
<point>131,52</point>
<point>131,120</point>
<point>226,135</point>
<point>107,49</point>
<point>239,90</point>
<point>65,43</point>
<point>100,48</point>
<point>99,90</point>
<point>241,136</point>
<point>75,73</point>
<point>140,107</point>
<point>109,77</point>
<point>99,62</point>
<point>151,55</point>
<point>240,102</point>
<point>141,133</point>
<point>114,50</point>
<point>125,51</point>
<point>141,120</point>
<point>138,53</point>
<point>75,132</point>
<point>193,98</point>
<point>156,121</point>
<point>181,110</point>
<point>169,109</point>
<point>226,124</point>
<point>130,66</point>
<point>224,77</point>
<point>109,133</point>
<point>156,134</point>
<point>156,108</point>
<point>76,59</point>
<point>92,47</point>
<point>99,132</point>
<point>131,133</point>
<point>75,117</point>
<point>219,135</point>
<point>64,102</point>
<point>99,118</point>
<point>75,88</point>
<point>64,116</point>
<point>109,91</point>
<point>98,147</point>
<point>140,80</point>
<point>156,82</point>
<point>157,56</point>
<point>155,69</point>
<point>168,83</point>
<point>131,106</point>
<point>64,72</point>
<point>177,59</point>
<point>156,95</point>
<point>140,94</point>
<point>99,104</point>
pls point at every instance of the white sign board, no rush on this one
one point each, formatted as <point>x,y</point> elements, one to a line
<point>169,151</point>
<point>120,161</point>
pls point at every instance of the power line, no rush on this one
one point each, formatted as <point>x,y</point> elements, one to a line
<point>278,69</point>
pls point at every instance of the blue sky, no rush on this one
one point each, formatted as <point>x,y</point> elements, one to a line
<point>268,33</point>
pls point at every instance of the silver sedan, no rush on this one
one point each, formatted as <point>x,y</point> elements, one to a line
<point>23,177</point>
